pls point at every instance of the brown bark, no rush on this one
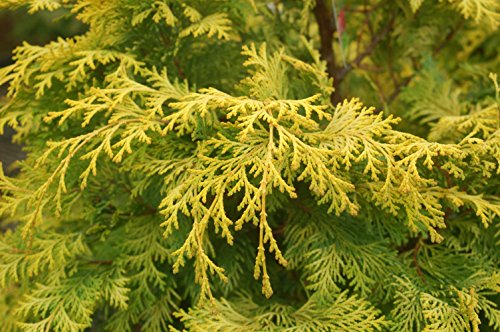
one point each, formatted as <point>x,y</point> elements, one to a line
<point>324,18</point>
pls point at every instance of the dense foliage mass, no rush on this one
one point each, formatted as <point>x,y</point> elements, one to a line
<point>212,166</point>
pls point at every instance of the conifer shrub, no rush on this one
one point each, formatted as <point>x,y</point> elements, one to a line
<point>255,166</point>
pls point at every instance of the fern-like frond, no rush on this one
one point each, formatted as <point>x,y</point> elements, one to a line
<point>34,5</point>
<point>432,97</point>
<point>68,306</point>
<point>487,11</point>
<point>311,316</point>
<point>212,25</point>
<point>51,254</point>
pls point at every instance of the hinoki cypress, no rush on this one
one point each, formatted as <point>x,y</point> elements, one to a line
<point>244,166</point>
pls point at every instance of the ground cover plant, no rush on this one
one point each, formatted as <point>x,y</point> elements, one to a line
<point>255,166</point>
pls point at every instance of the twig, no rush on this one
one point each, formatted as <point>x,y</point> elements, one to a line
<point>437,50</point>
<point>149,208</point>
<point>446,175</point>
<point>399,87</point>
<point>100,262</point>
<point>369,50</point>
<point>22,251</point>
<point>341,73</point>
<point>180,72</point>
<point>415,261</point>
<point>448,38</point>
<point>177,65</point>
<point>302,207</point>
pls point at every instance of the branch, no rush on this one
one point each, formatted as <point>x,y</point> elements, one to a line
<point>150,209</point>
<point>100,262</point>
<point>414,246</point>
<point>415,261</point>
<point>342,72</point>
<point>446,175</point>
<point>324,18</point>
<point>437,50</point>
<point>399,87</point>
<point>448,38</point>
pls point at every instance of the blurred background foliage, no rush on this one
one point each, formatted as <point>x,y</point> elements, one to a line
<point>17,27</point>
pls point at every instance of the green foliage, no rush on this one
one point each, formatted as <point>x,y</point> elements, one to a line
<point>318,314</point>
<point>178,146</point>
